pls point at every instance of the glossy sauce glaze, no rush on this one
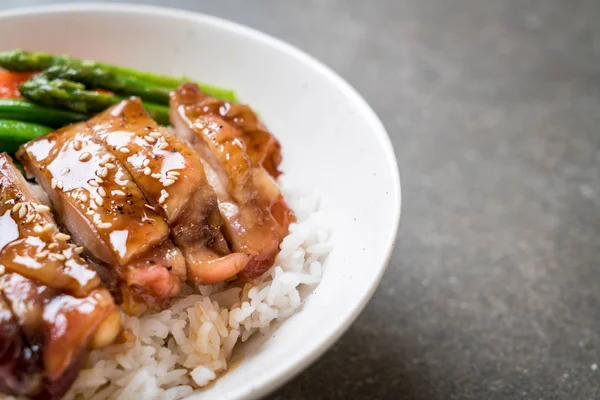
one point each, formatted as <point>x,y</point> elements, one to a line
<point>171,175</point>
<point>55,330</point>
<point>19,374</point>
<point>261,146</point>
<point>165,168</point>
<point>88,178</point>
<point>31,243</point>
<point>256,217</point>
<point>52,306</point>
<point>106,213</point>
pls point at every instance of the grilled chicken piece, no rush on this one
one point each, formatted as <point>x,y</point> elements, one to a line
<point>20,372</point>
<point>261,146</point>
<point>31,244</point>
<point>171,176</point>
<point>107,214</point>
<point>51,303</point>
<point>54,333</point>
<point>256,217</point>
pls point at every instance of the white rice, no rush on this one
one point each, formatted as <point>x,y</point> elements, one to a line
<point>176,352</point>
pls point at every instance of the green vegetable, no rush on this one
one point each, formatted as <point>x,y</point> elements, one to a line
<point>93,78</point>
<point>22,60</point>
<point>74,96</point>
<point>158,113</point>
<point>15,133</point>
<point>65,94</point>
<point>173,83</point>
<point>22,110</point>
<point>27,61</point>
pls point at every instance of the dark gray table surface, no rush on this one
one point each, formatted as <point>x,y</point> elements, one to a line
<point>494,288</point>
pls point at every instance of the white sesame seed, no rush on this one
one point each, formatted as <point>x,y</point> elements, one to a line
<point>98,200</point>
<point>22,211</point>
<point>47,228</point>
<point>2,269</point>
<point>37,229</point>
<point>93,183</point>
<point>168,182</point>
<point>62,237</point>
<point>102,192</point>
<point>59,185</point>
<point>83,197</point>
<point>99,180</point>
<point>105,225</point>
<point>59,257</point>
<point>85,157</point>
<point>118,193</point>
<point>42,208</point>
<point>157,176</point>
<point>146,162</point>
<point>172,172</point>
<point>109,165</point>
<point>105,159</point>
<point>163,146</point>
<point>65,171</point>
<point>102,172</point>
<point>17,207</point>
<point>150,139</point>
<point>147,171</point>
<point>124,150</point>
<point>163,196</point>
<point>78,250</point>
<point>53,246</point>
<point>29,218</point>
<point>155,135</point>
<point>77,145</point>
<point>42,254</point>
<point>53,183</point>
<point>150,207</point>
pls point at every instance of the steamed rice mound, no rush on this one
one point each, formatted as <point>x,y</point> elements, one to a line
<point>176,352</point>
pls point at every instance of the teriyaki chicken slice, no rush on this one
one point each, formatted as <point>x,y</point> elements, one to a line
<point>96,199</point>
<point>52,306</point>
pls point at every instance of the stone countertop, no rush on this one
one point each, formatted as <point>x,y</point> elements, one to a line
<point>493,107</point>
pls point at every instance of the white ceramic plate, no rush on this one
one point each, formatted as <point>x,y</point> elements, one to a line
<point>333,144</point>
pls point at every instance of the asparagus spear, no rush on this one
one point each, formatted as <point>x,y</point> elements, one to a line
<point>22,110</point>
<point>173,83</point>
<point>73,96</point>
<point>93,78</point>
<point>22,60</point>
<point>15,133</point>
